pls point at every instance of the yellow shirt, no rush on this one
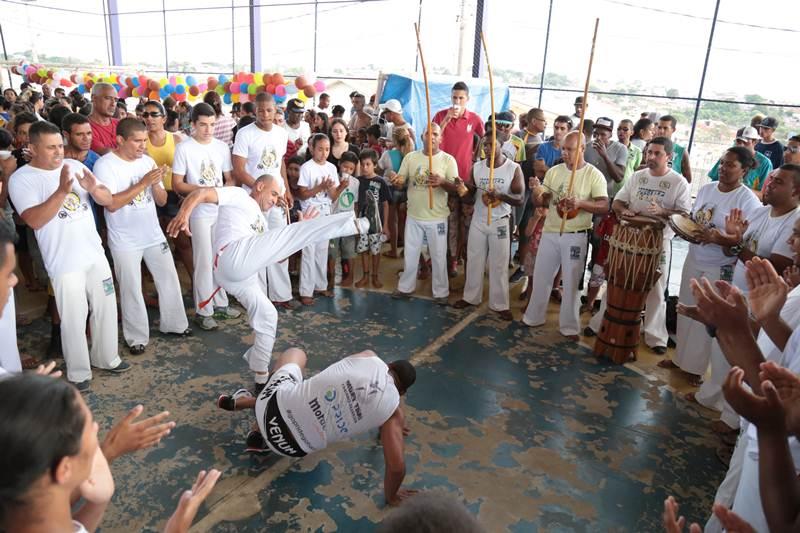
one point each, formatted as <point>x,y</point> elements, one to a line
<point>414,170</point>
<point>589,183</point>
<point>163,155</point>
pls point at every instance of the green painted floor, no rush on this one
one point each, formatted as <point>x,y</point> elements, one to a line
<point>529,431</point>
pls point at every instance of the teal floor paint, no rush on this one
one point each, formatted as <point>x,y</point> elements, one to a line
<point>528,430</point>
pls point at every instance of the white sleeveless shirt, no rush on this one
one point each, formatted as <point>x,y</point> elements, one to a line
<point>355,395</point>
<point>503,176</point>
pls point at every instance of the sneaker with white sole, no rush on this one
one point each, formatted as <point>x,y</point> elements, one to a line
<point>206,323</point>
<point>228,401</point>
<point>225,313</point>
<point>255,443</point>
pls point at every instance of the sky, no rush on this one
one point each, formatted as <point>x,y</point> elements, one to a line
<point>638,44</point>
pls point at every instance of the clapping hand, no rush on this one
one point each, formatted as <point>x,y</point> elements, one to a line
<point>181,519</point>
<point>88,181</point>
<point>791,275</point>
<point>736,224</point>
<point>308,214</point>
<point>767,289</point>
<point>99,486</point>
<point>787,384</point>
<point>65,180</point>
<point>128,436</point>
<point>765,412</point>
<point>732,522</point>
<point>154,176</point>
<point>723,307</point>
<point>47,370</point>
<point>674,523</point>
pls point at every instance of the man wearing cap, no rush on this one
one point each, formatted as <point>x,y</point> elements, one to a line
<point>297,129</point>
<point>608,155</point>
<point>755,177</point>
<point>395,120</point>
<point>769,145</point>
<point>576,116</point>
<point>680,155</point>
<point>360,393</point>
<point>514,147</point>
<point>359,118</point>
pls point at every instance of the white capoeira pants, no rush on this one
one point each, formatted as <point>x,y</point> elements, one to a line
<point>239,264</point>
<point>76,293</point>
<point>710,392</point>
<point>747,501</point>
<point>434,232</point>
<point>278,281</point>
<point>727,489</point>
<point>567,252</point>
<point>9,352</point>
<point>655,311</point>
<point>492,241</point>
<point>694,344</point>
<point>314,269</point>
<point>172,314</point>
<point>202,229</point>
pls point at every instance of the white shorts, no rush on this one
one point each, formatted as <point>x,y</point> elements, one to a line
<point>273,427</point>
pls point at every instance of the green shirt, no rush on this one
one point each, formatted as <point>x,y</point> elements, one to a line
<point>414,170</point>
<point>633,162</point>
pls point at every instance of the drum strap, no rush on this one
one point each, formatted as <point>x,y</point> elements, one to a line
<point>615,308</point>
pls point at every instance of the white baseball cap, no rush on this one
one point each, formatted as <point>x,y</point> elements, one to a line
<point>393,105</point>
<point>748,133</point>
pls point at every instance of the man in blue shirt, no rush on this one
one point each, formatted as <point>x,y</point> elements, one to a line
<point>549,153</point>
<point>748,137</point>
<point>78,139</point>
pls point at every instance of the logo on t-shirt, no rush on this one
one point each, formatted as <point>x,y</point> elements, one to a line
<point>257,226</point>
<point>346,200</point>
<point>704,215</point>
<point>142,199</point>
<point>421,177</point>
<point>269,158</point>
<point>208,174</point>
<point>72,206</point>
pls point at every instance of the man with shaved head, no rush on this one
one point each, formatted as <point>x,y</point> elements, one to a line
<point>244,246</point>
<point>104,125</point>
<point>427,221</point>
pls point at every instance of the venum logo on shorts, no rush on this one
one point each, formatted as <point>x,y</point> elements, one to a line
<point>278,439</point>
<point>317,410</point>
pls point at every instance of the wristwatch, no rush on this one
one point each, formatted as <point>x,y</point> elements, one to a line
<point>737,249</point>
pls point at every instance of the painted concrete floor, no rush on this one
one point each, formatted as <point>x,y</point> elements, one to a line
<point>528,430</point>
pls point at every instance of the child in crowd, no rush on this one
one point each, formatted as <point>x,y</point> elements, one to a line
<point>293,165</point>
<point>361,138</point>
<point>344,247</point>
<point>373,201</point>
<point>374,139</point>
<point>318,187</point>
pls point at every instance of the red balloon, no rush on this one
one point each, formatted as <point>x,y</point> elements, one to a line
<point>74,78</point>
<point>153,86</point>
<point>212,84</point>
<point>227,86</point>
<point>300,82</point>
<point>271,88</point>
<point>250,78</point>
<point>143,81</point>
<point>89,84</point>
<point>193,90</point>
<point>65,82</point>
<point>309,91</point>
<point>267,79</point>
<point>277,79</point>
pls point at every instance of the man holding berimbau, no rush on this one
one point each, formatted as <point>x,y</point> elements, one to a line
<point>656,191</point>
<point>564,245</point>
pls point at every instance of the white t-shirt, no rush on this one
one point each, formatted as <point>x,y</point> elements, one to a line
<point>202,165</point>
<point>710,209</point>
<point>766,235</point>
<point>134,226</point>
<point>503,176</point>
<point>311,175</point>
<point>239,217</point>
<point>348,197</point>
<point>355,395</point>
<point>670,191</point>
<point>303,131</point>
<point>263,150</point>
<point>69,241</point>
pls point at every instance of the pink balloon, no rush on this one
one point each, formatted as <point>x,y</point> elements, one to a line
<point>203,87</point>
<point>123,93</point>
<point>244,97</point>
<point>172,80</point>
<point>280,90</point>
<point>319,85</point>
<point>235,88</point>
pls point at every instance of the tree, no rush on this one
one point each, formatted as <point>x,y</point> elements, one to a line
<point>754,98</point>
<point>673,93</point>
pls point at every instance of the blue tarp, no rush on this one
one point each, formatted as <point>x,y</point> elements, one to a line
<point>411,94</point>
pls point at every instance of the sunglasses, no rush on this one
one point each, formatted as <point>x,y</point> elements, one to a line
<point>792,149</point>
<point>152,115</point>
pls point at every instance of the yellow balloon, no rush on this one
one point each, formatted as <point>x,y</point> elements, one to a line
<point>179,81</point>
<point>235,98</point>
<point>163,82</point>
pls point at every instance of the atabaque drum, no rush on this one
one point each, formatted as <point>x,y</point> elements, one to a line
<point>632,269</point>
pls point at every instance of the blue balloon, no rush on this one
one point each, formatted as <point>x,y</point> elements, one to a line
<point>291,89</point>
<point>180,89</point>
<point>135,81</point>
<point>223,78</point>
<point>82,88</point>
<point>163,93</point>
<point>191,81</point>
<point>243,88</point>
<point>169,89</point>
<point>279,99</point>
<point>117,86</point>
<point>227,98</point>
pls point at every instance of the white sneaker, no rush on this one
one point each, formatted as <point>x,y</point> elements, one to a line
<point>227,312</point>
<point>206,322</point>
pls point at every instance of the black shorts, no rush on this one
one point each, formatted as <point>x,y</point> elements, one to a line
<point>170,209</point>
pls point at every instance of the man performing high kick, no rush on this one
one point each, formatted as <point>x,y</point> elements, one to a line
<point>244,247</point>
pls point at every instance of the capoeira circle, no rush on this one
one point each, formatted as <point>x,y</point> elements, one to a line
<point>352,396</point>
<point>244,247</point>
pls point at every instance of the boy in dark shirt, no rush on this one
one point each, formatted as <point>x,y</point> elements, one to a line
<point>373,202</point>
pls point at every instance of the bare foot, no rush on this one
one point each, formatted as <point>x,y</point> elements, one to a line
<point>666,363</point>
<point>305,300</point>
<point>363,282</point>
<point>347,281</point>
<point>376,282</point>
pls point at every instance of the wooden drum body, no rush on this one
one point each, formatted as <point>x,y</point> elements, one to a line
<point>632,269</point>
